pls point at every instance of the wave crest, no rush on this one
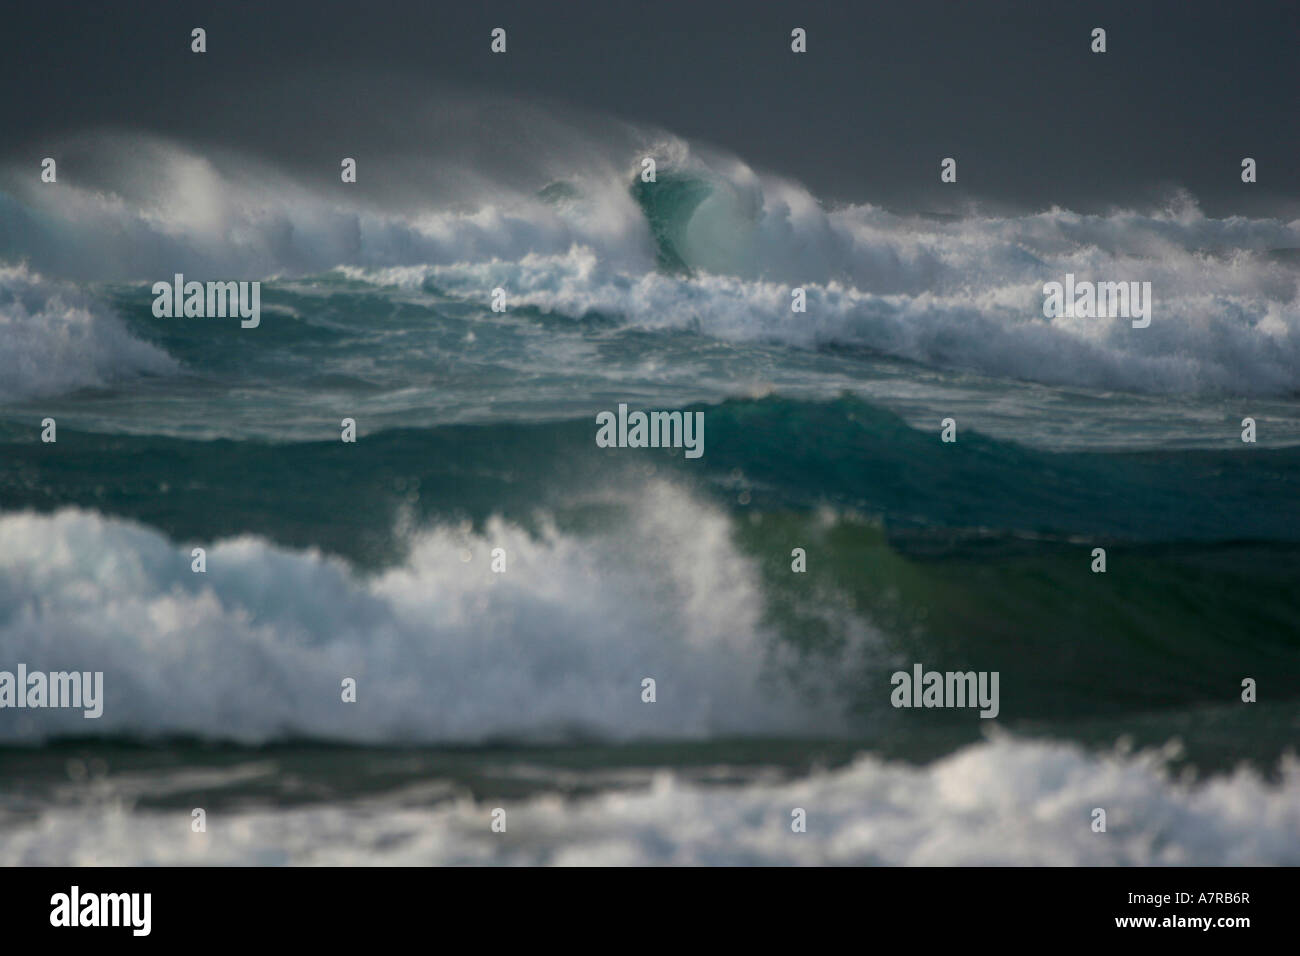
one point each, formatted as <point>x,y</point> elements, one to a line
<point>54,339</point>
<point>443,649</point>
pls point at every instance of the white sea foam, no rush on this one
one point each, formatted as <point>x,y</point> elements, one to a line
<point>1220,325</point>
<point>442,648</point>
<point>54,339</point>
<point>1002,802</point>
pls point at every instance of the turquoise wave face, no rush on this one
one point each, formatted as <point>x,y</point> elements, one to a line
<point>774,453</point>
<point>668,205</point>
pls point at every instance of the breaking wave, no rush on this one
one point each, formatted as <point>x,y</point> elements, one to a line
<point>443,648</point>
<point>1002,802</point>
<point>54,339</point>
<point>712,246</point>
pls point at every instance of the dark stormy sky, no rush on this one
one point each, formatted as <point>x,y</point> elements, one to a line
<point>886,90</point>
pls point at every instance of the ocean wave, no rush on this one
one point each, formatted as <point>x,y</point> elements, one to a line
<point>442,648</point>
<point>54,339</point>
<point>1005,801</point>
